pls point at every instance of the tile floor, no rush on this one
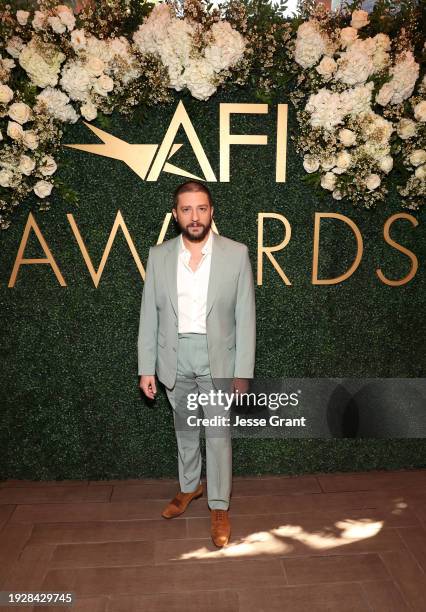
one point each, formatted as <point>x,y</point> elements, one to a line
<point>337,542</point>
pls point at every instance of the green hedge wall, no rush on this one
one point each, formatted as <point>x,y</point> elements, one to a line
<point>71,406</point>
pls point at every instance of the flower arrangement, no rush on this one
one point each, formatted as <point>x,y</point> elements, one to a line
<point>359,91</point>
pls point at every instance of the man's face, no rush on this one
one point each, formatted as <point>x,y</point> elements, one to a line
<point>194,215</point>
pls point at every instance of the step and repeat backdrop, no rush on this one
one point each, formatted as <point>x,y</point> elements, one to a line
<point>338,260</point>
<point>72,280</point>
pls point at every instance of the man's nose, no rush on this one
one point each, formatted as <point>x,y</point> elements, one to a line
<point>195,215</point>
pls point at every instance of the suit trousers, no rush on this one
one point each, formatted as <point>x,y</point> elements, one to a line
<point>194,377</point>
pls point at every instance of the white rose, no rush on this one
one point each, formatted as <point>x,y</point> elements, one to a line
<point>6,94</point>
<point>343,160</point>
<point>78,39</point>
<point>22,17</point>
<point>328,181</point>
<point>348,36</point>
<point>26,164</point>
<point>20,112</point>
<point>14,130</point>
<point>347,137</point>
<point>406,128</point>
<point>30,139</point>
<point>56,24</point>
<point>14,46</point>
<point>1,135</point>
<point>39,20</point>
<point>103,85</point>
<point>5,177</point>
<point>89,111</point>
<point>418,157</point>
<point>66,15</point>
<point>372,181</point>
<point>421,172</point>
<point>94,66</point>
<point>42,188</point>
<point>328,162</point>
<point>420,111</point>
<point>337,194</point>
<point>310,163</point>
<point>326,67</point>
<point>48,165</point>
<point>359,19</point>
<point>386,163</point>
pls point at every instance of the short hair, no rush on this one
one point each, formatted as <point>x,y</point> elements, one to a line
<point>191,186</point>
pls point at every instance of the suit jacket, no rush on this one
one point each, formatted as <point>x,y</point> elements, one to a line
<point>230,312</point>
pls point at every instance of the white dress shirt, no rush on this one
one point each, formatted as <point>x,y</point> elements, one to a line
<point>192,289</point>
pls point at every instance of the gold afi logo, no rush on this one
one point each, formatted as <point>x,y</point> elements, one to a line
<point>148,160</point>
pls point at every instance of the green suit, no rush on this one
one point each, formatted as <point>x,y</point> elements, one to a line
<point>230,314</point>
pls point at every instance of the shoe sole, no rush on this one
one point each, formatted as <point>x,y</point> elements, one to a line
<point>175,515</point>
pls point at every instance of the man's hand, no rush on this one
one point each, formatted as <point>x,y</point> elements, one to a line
<point>240,385</point>
<point>148,386</point>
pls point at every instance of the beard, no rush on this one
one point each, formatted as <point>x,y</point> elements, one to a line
<point>195,232</point>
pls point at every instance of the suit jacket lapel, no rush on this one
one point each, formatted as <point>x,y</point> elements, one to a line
<point>218,261</point>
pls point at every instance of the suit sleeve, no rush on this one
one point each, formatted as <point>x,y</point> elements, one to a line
<point>245,320</point>
<point>148,323</point>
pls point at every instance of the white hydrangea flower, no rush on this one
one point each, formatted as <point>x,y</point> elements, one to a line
<point>42,62</point>
<point>198,76</point>
<point>356,64</point>
<point>76,81</point>
<point>227,48</point>
<point>404,76</point>
<point>56,102</point>
<point>311,44</point>
<point>326,110</point>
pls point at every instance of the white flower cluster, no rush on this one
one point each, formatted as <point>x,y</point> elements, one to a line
<point>347,117</point>
<point>171,39</point>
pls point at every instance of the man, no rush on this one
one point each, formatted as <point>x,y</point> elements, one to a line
<point>197,331</point>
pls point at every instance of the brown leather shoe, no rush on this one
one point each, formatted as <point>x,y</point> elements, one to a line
<point>179,504</point>
<point>220,527</point>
